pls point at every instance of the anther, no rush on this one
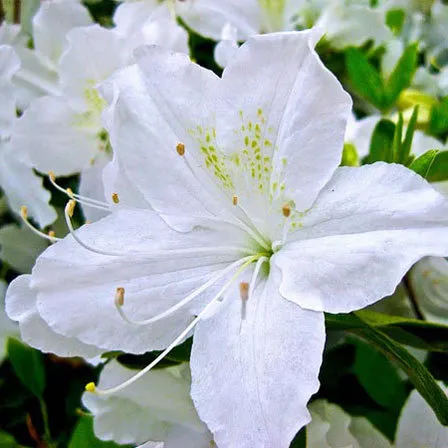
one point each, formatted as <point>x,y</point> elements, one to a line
<point>71,207</point>
<point>115,198</point>
<point>51,233</point>
<point>235,199</point>
<point>24,212</point>
<point>52,176</point>
<point>119,296</point>
<point>244,290</point>
<point>90,387</point>
<point>286,210</point>
<point>69,192</point>
<point>180,148</point>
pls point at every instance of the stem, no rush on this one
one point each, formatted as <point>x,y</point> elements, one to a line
<point>43,409</point>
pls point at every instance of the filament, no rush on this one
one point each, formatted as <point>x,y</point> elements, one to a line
<point>119,297</point>
<point>24,215</point>
<point>91,386</point>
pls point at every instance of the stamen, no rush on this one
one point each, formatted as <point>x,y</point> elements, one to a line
<point>180,148</point>
<point>244,291</point>
<point>235,199</point>
<point>50,236</point>
<point>78,198</point>
<point>115,198</point>
<point>119,295</point>
<point>93,389</point>
<point>157,254</point>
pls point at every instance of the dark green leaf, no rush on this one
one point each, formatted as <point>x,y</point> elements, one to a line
<point>402,75</point>
<point>7,440</point>
<point>415,333</point>
<point>438,171</point>
<point>28,365</point>
<point>299,440</point>
<point>403,156</point>
<point>395,20</point>
<point>83,436</point>
<point>378,376</point>
<point>422,165</point>
<point>381,142</point>
<point>438,123</point>
<point>364,77</point>
<point>396,144</point>
<point>420,377</point>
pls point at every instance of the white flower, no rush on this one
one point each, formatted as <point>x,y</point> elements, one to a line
<point>418,427</point>
<point>38,72</point>
<point>429,279</point>
<point>332,427</point>
<point>63,133</point>
<point>344,22</point>
<point>17,179</point>
<point>157,407</point>
<point>235,221</point>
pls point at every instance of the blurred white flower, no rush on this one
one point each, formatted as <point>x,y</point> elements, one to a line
<point>7,327</point>
<point>155,408</point>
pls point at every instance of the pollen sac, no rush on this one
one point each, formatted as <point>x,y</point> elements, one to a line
<point>119,296</point>
<point>115,198</point>
<point>235,200</point>
<point>244,291</point>
<point>180,148</point>
<point>286,210</point>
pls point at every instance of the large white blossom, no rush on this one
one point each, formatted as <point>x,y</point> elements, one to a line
<point>234,222</point>
<point>8,328</point>
<point>17,179</point>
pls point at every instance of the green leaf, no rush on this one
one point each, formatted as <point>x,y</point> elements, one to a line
<point>395,20</point>
<point>402,75</point>
<point>413,332</point>
<point>28,365</point>
<point>381,142</point>
<point>349,155</point>
<point>438,170</point>
<point>364,77</point>
<point>396,144</point>
<point>7,440</point>
<point>422,165</point>
<point>83,436</point>
<point>420,377</point>
<point>27,11</point>
<point>378,377</point>
<point>438,122</point>
<point>403,156</point>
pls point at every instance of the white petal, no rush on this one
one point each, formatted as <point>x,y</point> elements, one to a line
<point>155,107</point>
<point>418,426</point>
<point>429,279</point>
<point>252,378</point>
<point>365,230</point>
<point>353,25</point>
<point>93,54</point>
<point>76,288</point>
<point>20,247</point>
<point>7,327</point>
<point>23,187</point>
<point>280,84</point>
<point>55,136</point>
<point>146,410</point>
<point>21,307</point>
<point>52,23</point>
<point>9,64</point>
<point>91,186</point>
<point>359,133</point>
<point>130,16</point>
<point>226,48</point>
<point>208,17</point>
